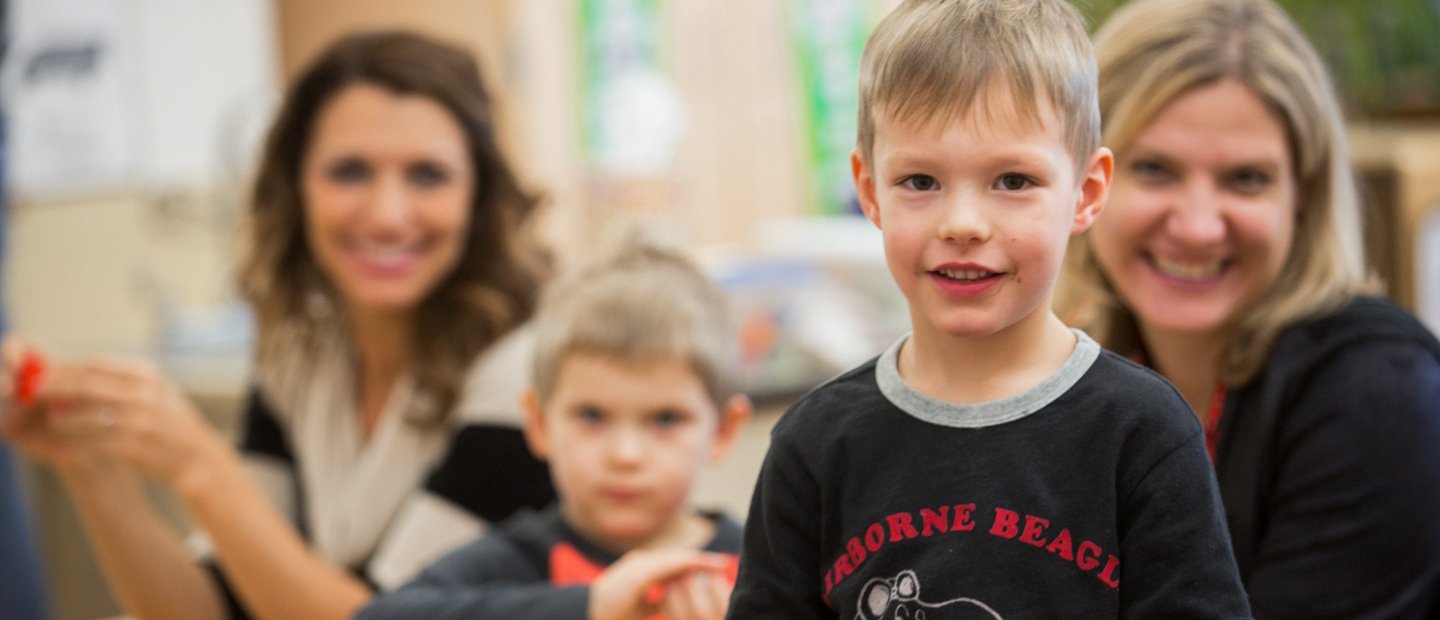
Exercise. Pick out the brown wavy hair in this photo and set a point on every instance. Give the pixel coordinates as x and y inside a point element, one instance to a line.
<point>494,284</point>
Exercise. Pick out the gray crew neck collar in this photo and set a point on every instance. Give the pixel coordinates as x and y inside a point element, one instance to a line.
<point>980,415</point>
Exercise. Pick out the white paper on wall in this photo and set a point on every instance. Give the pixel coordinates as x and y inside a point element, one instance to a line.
<point>70,96</point>
<point>151,94</point>
<point>1427,270</point>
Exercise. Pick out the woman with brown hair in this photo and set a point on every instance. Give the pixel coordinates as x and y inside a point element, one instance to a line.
<point>1229,259</point>
<point>390,272</point>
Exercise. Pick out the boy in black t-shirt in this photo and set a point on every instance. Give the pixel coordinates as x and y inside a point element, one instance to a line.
<point>993,463</point>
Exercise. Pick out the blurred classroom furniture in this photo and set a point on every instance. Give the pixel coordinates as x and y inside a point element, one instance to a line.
<point>1399,165</point>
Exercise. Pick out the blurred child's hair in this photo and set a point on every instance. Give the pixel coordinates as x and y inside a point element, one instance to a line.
<point>929,60</point>
<point>639,305</point>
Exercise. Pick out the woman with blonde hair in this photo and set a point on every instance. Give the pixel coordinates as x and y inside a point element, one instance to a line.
<point>1229,259</point>
<point>390,273</point>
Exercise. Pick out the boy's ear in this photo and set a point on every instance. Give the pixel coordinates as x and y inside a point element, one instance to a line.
<point>733,417</point>
<point>865,186</point>
<point>1094,189</point>
<point>534,424</point>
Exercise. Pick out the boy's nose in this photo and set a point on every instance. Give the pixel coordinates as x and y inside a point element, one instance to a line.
<point>963,221</point>
<point>627,447</point>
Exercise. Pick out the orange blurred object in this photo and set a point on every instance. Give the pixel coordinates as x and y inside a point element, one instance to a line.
<point>27,378</point>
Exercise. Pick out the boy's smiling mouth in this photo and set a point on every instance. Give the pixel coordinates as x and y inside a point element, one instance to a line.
<point>965,275</point>
<point>965,279</point>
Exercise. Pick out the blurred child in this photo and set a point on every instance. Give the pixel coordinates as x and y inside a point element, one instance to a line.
<point>993,463</point>
<point>635,389</point>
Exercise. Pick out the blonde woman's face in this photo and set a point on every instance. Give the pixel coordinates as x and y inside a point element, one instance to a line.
<point>1202,213</point>
<point>387,184</point>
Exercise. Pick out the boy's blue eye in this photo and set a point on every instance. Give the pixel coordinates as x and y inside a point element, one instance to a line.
<point>1012,182</point>
<point>667,418</point>
<point>589,414</point>
<point>920,182</point>
<point>348,170</point>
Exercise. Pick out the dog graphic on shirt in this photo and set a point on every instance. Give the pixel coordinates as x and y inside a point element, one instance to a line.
<point>898,598</point>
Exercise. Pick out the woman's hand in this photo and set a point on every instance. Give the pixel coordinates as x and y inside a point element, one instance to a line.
<point>148,422</point>
<point>45,429</point>
<point>110,408</point>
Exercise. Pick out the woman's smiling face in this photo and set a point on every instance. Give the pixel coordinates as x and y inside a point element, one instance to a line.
<point>387,185</point>
<point>1202,212</point>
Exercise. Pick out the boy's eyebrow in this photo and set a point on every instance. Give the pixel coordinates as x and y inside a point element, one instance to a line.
<point>1016,157</point>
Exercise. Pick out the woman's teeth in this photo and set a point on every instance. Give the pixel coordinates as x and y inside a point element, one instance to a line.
<point>385,254</point>
<point>1188,270</point>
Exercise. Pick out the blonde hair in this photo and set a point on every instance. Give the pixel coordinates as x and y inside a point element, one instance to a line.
<point>642,304</point>
<point>929,60</point>
<point>1152,51</point>
<point>495,282</point>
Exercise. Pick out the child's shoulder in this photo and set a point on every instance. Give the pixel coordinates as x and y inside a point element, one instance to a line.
<point>1129,395</point>
<point>728,533</point>
<point>1117,377</point>
<point>825,407</point>
<point>516,547</point>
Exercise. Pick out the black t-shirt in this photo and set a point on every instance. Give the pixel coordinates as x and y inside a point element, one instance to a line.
<point>1087,496</point>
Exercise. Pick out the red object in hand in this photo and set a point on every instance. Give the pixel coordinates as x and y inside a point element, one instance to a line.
<point>27,378</point>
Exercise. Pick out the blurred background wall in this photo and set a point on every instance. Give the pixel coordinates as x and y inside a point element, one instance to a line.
<point>722,127</point>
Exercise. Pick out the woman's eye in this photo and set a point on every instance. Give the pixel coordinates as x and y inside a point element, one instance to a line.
<point>1013,182</point>
<point>920,182</point>
<point>427,175</point>
<point>348,171</point>
<point>1249,181</point>
<point>1149,169</point>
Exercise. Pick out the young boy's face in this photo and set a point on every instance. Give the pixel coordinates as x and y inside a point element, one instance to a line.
<point>625,441</point>
<point>976,213</point>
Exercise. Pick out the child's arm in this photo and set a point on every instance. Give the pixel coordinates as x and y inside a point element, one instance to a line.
<point>517,601</point>
<point>490,578</point>
<point>780,574</point>
<point>1176,559</point>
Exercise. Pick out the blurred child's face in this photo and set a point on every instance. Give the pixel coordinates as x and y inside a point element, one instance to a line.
<point>386,184</point>
<point>976,214</point>
<point>1203,214</point>
<point>625,441</point>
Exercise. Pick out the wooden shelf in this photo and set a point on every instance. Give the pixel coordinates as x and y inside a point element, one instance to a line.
<point>1399,166</point>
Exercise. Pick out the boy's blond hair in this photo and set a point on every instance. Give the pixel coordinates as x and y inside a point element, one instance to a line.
<point>639,305</point>
<point>929,60</point>
<point>1152,52</point>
